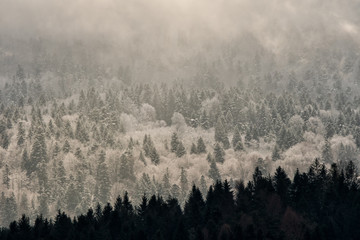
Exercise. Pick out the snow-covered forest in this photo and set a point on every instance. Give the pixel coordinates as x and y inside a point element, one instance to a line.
<point>159,102</point>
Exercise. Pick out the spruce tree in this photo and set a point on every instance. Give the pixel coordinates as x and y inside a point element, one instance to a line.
<point>327,153</point>
<point>66,147</point>
<point>201,148</point>
<point>219,153</point>
<point>214,173</point>
<point>180,151</point>
<point>127,166</point>
<point>236,138</point>
<point>193,149</point>
<point>276,153</point>
<point>38,152</point>
<point>21,134</point>
<point>174,142</point>
<point>102,180</point>
<point>6,176</point>
<point>154,156</point>
<point>183,183</point>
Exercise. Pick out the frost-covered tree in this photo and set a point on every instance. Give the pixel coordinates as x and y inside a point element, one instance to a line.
<point>276,153</point>
<point>38,151</point>
<point>221,134</point>
<point>180,150</point>
<point>21,134</point>
<point>214,173</point>
<point>327,155</point>
<point>66,147</point>
<point>127,166</point>
<point>219,153</point>
<point>201,148</point>
<point>6,176</point>
<point>193,149</point>
<point>184,185</point>
<point>154,156</point>
<point>102,187</point>
<point>174,142</point>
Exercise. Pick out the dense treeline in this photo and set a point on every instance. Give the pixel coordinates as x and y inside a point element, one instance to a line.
<point>318,204</point>
<point>73,152</point>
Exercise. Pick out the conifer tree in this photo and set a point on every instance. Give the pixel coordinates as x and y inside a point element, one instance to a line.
<point>142,158</point>
<point>180,151</point>
<point>102,180</point>
<point>174,142</point>
<point>193,149</point>
<point>201,148</point>
<point>21,134</point>
<point>236,138</point>
<point>66,147</point>
<point>276,153</point>
<point>127,166</point>
<point>209,158</point>
<point>154,156</point>
<point>38,152</point>
<point>183,183</point>
<point>203,186</point>
<point>327,153</point>
<point>6,176</point>
<point>214,173</point>
<point>219,153</point>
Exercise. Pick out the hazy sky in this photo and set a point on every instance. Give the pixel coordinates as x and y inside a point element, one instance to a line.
<point>120,19</point>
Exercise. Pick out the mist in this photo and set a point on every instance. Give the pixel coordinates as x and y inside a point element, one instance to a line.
<point>173,36</point>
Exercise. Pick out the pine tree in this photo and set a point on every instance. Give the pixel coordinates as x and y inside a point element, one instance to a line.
<point>239,146</point>
<point>204,120</point>
<point>127,166</point>
<point>154,156</point>
<point>180,151</point>
<point>276,153</point>
<point>209,158</point>
<point>6,176</point>
<point>142,158</point>
<point>72,196</point>
<point>66,148</point>
<point>174,142</point>
<point>193,149</point>
<point>214,173</point>
<point>102,180</point>
<point>281,183</point>
<point>327,153</point>
<point>21,134</point>
<point>201,148</point>
<point>166,183</point>
<point>183,183</point>
<point>236,138</point>
<point>203,186</point>
<point>38,152</point>
<point>219,153</point>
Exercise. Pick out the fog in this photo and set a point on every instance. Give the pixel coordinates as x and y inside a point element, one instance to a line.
<point>169,27</point>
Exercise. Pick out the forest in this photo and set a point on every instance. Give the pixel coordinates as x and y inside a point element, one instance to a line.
<point>74,152</point>
<point>146,99</point>
<point>318,204</point>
